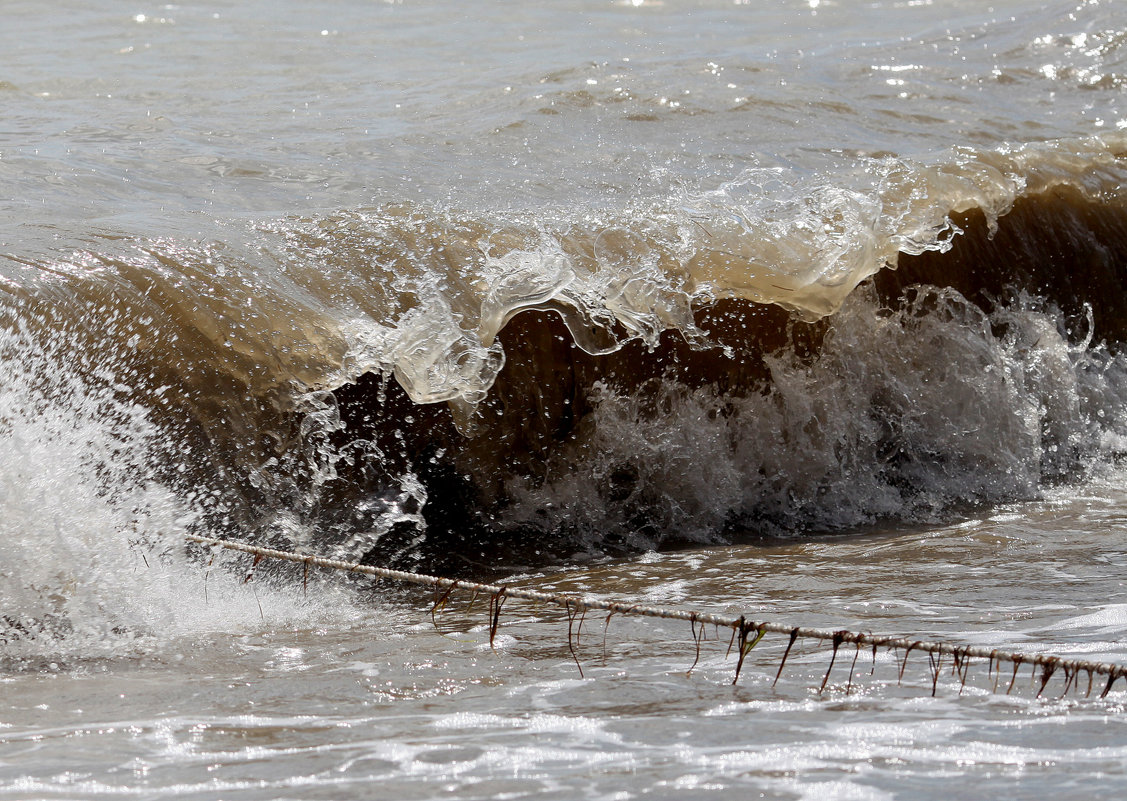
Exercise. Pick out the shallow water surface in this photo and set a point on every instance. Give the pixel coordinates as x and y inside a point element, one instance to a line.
<point>807,311</point>
<point>384,699</point>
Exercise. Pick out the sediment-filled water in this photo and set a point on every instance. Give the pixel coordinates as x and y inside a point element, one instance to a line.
<point>812,312</point>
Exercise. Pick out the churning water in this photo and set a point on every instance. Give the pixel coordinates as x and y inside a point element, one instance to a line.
<point>811,311</point>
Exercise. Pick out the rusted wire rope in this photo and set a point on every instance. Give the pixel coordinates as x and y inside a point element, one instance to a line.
<point>741,627</point>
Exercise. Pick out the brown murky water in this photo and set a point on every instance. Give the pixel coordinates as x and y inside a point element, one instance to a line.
<point>809,313</point>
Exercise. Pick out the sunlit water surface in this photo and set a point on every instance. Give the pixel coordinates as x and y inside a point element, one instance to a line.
<point>213,203</point>
<point>375,700</point>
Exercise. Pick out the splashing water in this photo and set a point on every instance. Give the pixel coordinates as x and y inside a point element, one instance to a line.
<point>92,556</point>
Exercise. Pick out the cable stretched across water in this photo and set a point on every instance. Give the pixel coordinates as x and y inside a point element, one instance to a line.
<point>748,632</point>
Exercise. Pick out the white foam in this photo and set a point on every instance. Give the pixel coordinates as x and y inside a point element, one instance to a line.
<point>92,556</point>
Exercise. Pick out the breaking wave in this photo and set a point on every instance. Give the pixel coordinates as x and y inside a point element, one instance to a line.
<point>414,385</point>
